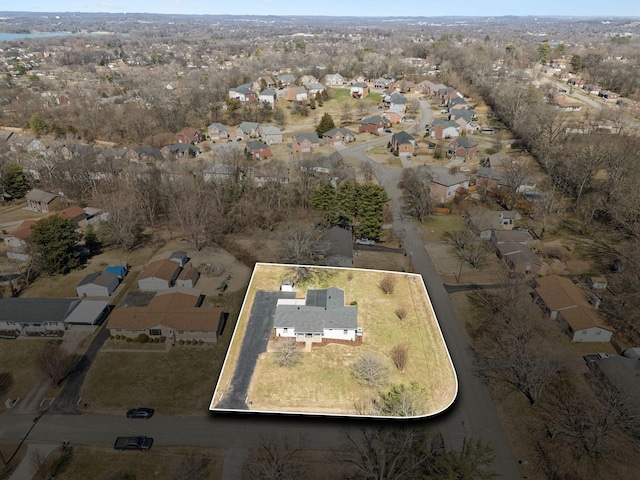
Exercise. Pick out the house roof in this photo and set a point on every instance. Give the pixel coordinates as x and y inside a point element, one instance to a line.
<point>189,273</point>
<point>311,136</point>
<point>398,99</point>
<point>247,127</point>
<point>87,311</point>
<point>256,145</point>
<point>403,137</point>
<point>322,309</point>
<point>483,219</point>
<point>179,254</point>
<point>102,279</point>
<point>219,126</point>
<point>360,84</point>
<point>518,236</point>
<point>72,212</point>
<point>445,123</point>
<point>270,130</point>
<point>334,131</point>
<point>243,89</point>
<point>484,172</point>
<point>23,232</point>
<point>286,77</point>
<point>518,254</point>
<point>313,86</point>
<point>29,310</point>
<point>182,148</point>
<point>464,142</point>
<point>268,92</point>
<point>40,196</point>
<point>374,120</point>
<point>340,243</point>
<point>441,176</point>
<point>164,269</point>
<point>189,132</point>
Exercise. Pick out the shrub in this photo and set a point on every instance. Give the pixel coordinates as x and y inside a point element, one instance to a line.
<point>388,283</point>
<point>181,342</point>
<point>370,369</point>
<point>401,312</point>
<point>111,337</point>
<point>128,340</point>
<point>163,338</point>
<point>143,338</point>
<point>118,337</point>
<point>287,354</point>
<point>135,339</point>
<point>156,340</point>
<point>354,303</point>
<point>188,342</point>
<point>399,356</point>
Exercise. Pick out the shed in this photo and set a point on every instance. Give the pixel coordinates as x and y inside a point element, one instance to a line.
<point>597,283</point>
<point>159,275</point>
<point>119,271</point>
<point>188,277</point>
<point>180,257</point>
<point>286,285</point>
<point>98,284</point>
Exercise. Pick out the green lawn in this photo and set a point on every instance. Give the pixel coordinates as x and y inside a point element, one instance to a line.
<point>323,380</point>
<point>18,358</point>
<point>434,226</point>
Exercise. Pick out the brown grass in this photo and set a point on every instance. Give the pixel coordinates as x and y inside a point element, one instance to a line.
<point>325,382</point>
<point>18,357</point>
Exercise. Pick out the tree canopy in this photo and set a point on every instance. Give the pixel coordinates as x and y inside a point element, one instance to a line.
<point>15,181</point>
<point>55,239</point>
<point>326,124</point>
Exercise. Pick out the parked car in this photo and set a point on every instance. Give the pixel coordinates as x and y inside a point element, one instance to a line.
<point>388,131</point>
<point>133,443</point>
<point>365,241</point>
<point>465,169</point>
<point>444,111</point>
<point>140,412</point>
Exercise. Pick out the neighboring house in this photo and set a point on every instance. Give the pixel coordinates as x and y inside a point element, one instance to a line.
<point>74,213</point>
<point>47,316</point>
<point>297,94</point>
<point>384,82</point>
<point>394,115</point>
<point>336,248</point>
<point>444,185</point>
<point>322,314</point>
<point>403,143</point>
<point>258,150</point>
<point>175,314</point>
<point>268,82</point>
<point>180,257</point>
<point>441,129</point>
<point>333,79</point>
<point>268,96</point>
<point>41,201</point>
<point>464,118</point>
<point>217,131</point>
<point>457,103</point>
<point>247,130</point>
<point>188,277</point>
<point>313,88</point>
<point>304,142</point>
<point>397,102</point>
<point>520,258</point>
<point>285,80</point>
<point>270,134</point>
<point>491,179</point>
<point>97,284</point>
<point>94,216</point>
<point>143,154</point>
<point>597,283</point>
<point>159,275</point>
<point>620,372</point>
<point>19,237</point>
<point>523,237</point>
<point>308,79</point>
<point>189,135</point>
<point>243,93</point>
<point>359,90</point>
<point>462,148</point>
<point>567,303</point>
<point>338,136</point>
<point>179,150</point>
<point>567,104</point>
<point>373,124</point>
<point>483,221</point>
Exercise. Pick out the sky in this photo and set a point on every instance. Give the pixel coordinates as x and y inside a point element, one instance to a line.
<point>377,8</point>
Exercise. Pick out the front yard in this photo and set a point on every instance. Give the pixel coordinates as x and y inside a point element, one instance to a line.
<point>18,360</point>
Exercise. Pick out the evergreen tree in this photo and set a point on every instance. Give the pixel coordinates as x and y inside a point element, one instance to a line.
<point>92,241</point>
<point>325,200</point>
<point>15,181</point>
<point>37,125</point>
<point>326,124</point>
<point>55,240</point>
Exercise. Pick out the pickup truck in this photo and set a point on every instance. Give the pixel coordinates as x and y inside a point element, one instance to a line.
<point>133,443</point>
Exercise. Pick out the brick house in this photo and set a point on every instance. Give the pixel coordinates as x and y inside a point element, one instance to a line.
<point>189,135</point>
<point>258,150</point>
<point>462,148</point>
<point>403,143</point>
<point>304,142</point>
<point>373,124</point>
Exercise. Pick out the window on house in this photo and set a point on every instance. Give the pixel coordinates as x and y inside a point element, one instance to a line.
<point>346,331</point>
<point>180,331</point>
<point>285,329</point>
<point>155,332</point>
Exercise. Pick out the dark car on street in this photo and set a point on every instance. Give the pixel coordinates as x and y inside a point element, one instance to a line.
<point>140,412</point>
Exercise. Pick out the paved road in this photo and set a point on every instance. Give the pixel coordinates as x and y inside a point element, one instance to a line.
<point>260,325</point>
<point>473,413</point>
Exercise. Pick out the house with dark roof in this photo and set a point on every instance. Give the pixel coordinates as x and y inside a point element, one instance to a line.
<point>336,248</point>
<point>180,257</point>
<point>565,302</point>
<point>97,284</point>
<point>217,131</point>
<point>403,143</point>
<point>243,93</point>
<point>159,275</point>
<point>304,142</point>
<point>247,130</point>
<point>445,185</point>
<point>285,79</point>
<point>462,148</point>
<point>359,90</point>
<point>520,258</point>
<point>338,136</point>
<point>258,150</point>
<point>41,201</point>
<point>441,129</point>
<point>175,314</point>
<point>482,220</point>
<point>179,150</point>
<point>322,314</point>
<point>143,154</point>
<point>373,124</point>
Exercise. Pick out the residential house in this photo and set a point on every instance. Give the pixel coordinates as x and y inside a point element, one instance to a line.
<point>373,124</point>
<point>243,93</point>
<point>97,284</point>
<point>189,135</point>
<point>442,129</point>
<point>597,283</point>
<point>384,82</point>
<point>41,201</point>
<point>338,136</point>
<point>179,150</point>
<point>297,94</point>
<point>180,257</point>
<point>159,275</point>
<point>567,104</point>
<point>445,185</point>
<point>47,316</point>
<point>403,143</point>
<point>622,374</point>
<point>270,134</point>
<point>268,97</point>
<point>359,90</point>
<point>483,221</point>
<point>313,88</point>
<point>492,180</point>
<point>217,131</point>
<point>523,237</point>
<point>424,87</point>
<point>397,102</point>
<point>304,142</point>
<point>285,80</point>
<point>74,213</point>
<point>464,118</point>
<point>458,103</point>
<point>94,216</point>
<point>247,130</point>
<point>333,80</point>
<point>258,150</point>
<point>335,248</point>
<point>404,86</point>
<point>322,314</point>
<point>568,304</point>
<point>143,154</point>
<point>266,82</point>
<point>462,148</point>
<point>19,237</point>
<point>394,115</point>
<point>175,314</point>
<point>519,258</point>
<point>308,79</point>
<point>188,277</point>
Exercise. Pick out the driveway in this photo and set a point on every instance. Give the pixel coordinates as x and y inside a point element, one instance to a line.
<point>254,343</point>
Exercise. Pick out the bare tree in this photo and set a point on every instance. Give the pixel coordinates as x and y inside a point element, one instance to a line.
<point>401,312</point>
<point>416,192</point>
<point>277,459</point>
<point>469,248</point>
<point>54,362</point>
<point>370,369</point>
<point>387,283</point>
<point>192,468</point>
<point>514,177</point>
<point>298,238</point>
<point>400,355</point>
<point>287,353</point>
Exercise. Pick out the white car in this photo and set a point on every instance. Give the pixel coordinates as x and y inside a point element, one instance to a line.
<point>465,169</point>
<point>365,241</point>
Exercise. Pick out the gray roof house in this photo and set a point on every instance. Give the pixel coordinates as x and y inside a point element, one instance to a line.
<point>322,314</point>
<point>336,247</point>
<point>97,284</point>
